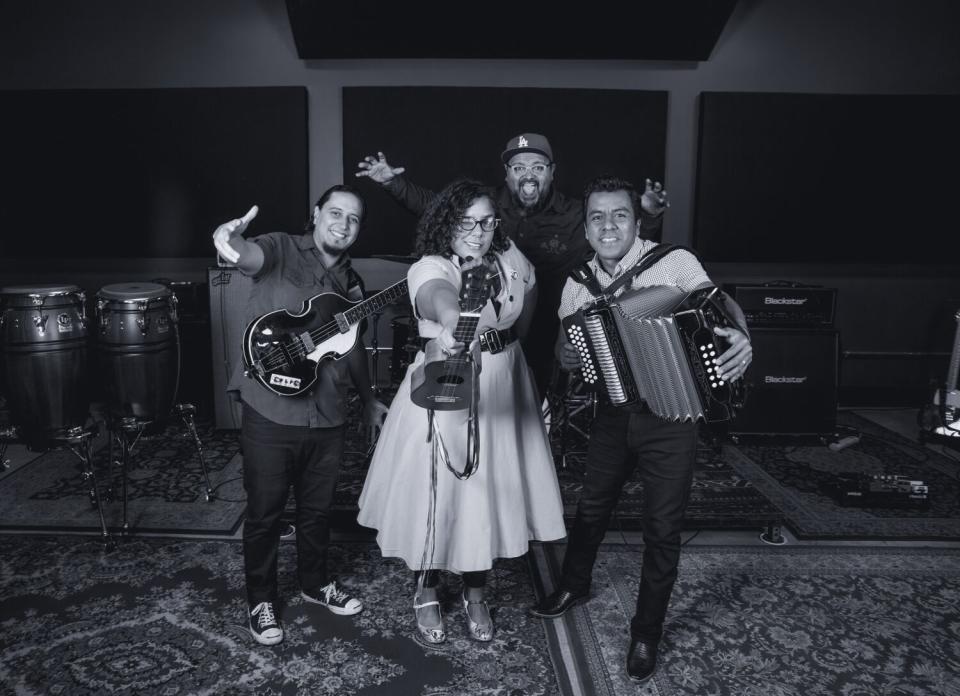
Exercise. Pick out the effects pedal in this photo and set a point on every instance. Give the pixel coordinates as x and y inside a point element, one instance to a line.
<point>881,490</point>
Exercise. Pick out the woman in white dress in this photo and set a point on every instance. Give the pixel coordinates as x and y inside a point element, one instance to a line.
<point>430,517</point>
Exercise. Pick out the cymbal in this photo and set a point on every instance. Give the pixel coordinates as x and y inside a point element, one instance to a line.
<point>396,257</point>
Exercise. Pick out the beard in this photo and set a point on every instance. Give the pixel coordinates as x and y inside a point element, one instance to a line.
<point>332,250</point>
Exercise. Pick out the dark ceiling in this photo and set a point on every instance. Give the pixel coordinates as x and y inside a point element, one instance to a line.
<point>671,30</point>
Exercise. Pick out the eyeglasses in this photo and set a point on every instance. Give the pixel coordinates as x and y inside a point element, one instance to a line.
<point>520,170</point>
<point>488,224</point>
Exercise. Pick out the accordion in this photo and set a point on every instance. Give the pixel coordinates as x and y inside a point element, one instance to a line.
<point>656,344</point>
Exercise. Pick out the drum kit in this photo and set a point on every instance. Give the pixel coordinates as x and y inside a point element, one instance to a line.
<point>52,356</point>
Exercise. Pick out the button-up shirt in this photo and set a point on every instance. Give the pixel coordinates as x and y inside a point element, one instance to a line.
<point>680,269</point>
<point>292,273</point>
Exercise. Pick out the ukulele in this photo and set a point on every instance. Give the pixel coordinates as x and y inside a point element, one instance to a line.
<point>446,383</point>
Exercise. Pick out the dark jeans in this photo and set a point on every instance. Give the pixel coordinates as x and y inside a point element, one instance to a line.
<point>665,452</point>
<point>274,456</point>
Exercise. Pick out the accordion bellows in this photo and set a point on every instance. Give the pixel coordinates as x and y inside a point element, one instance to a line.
<point>656,344</point>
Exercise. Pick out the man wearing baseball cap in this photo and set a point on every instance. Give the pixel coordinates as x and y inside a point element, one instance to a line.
<point>544,224</point>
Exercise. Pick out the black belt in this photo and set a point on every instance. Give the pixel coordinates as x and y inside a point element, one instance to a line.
<point>491,340</point>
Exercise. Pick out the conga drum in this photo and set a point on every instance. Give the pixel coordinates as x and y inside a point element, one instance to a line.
<point>406,343</point>
<point>138,350</point>
<point>44,342</point>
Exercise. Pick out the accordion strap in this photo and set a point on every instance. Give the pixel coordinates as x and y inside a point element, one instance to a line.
<point>583,275</point>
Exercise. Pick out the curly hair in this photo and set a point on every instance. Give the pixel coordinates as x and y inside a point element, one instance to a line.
<point>440,220</point>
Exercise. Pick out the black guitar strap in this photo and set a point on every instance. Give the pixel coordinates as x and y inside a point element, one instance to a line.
<point>353,279</point>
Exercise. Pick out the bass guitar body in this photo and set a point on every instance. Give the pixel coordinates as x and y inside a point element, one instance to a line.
<point>281,349</point>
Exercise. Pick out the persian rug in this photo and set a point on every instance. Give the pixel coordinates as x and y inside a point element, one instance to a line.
<point>167,617</point>
<point>771,621</point>
<point>165,487</point>
<point>799,479</point>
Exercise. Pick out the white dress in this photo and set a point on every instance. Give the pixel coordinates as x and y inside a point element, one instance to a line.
<point>512,498</point>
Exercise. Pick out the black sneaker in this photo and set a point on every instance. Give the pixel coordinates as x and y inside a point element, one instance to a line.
<point>264,626</point>
<point>335,599</point>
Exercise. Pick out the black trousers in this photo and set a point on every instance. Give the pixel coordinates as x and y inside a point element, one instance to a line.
<point>665,452</point>
<point>274,457</point>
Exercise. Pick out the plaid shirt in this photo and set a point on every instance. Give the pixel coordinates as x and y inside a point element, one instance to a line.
<point>680,269</point>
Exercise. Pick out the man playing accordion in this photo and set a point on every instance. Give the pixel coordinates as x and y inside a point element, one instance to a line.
<point>624,437</point>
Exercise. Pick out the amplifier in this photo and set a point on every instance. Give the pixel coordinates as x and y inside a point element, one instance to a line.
<point>881,490</point>
<point>783,304</point>
<point>791,384</point>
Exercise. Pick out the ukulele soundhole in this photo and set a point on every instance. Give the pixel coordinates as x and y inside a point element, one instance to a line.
<point>455,380</point>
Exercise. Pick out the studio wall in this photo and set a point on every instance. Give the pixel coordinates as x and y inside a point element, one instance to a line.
<point>818,46</point>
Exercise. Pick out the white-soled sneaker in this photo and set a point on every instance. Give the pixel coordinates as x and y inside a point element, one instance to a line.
<point>264,626</point>
<point>334,598</point>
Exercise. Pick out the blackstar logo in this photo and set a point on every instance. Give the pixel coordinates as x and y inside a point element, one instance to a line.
<point>770,379</point>
<point>785,300</point>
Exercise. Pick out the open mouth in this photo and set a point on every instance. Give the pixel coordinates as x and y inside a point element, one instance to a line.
<point>529,188</point>
<point>338,235</point>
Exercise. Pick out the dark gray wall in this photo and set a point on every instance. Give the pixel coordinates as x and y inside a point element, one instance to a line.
<point>849,46</point>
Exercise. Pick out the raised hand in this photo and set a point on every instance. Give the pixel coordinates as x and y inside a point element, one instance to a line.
<point>378,169</point>
<point>654,199</point>
<point>229,230</point>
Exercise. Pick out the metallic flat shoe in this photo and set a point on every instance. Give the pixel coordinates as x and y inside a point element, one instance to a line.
<point>433,636</point>
<point>482,633</point>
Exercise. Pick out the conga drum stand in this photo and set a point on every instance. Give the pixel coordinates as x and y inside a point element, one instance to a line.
<point>127,432</point>
<point>186,413</point>
<point>80,442</point>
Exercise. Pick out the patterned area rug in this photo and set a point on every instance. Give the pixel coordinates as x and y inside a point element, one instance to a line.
<point>773,622</point>
<point>168,617</point>
<point>798,480</point>
<point>165,487</point>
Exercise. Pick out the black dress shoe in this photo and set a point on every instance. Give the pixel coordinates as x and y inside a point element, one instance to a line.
<point>641,660</point>
<point>557,604</point>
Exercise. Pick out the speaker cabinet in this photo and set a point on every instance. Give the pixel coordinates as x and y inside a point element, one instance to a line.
<point>792,383</point>
<point>229,294</point>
